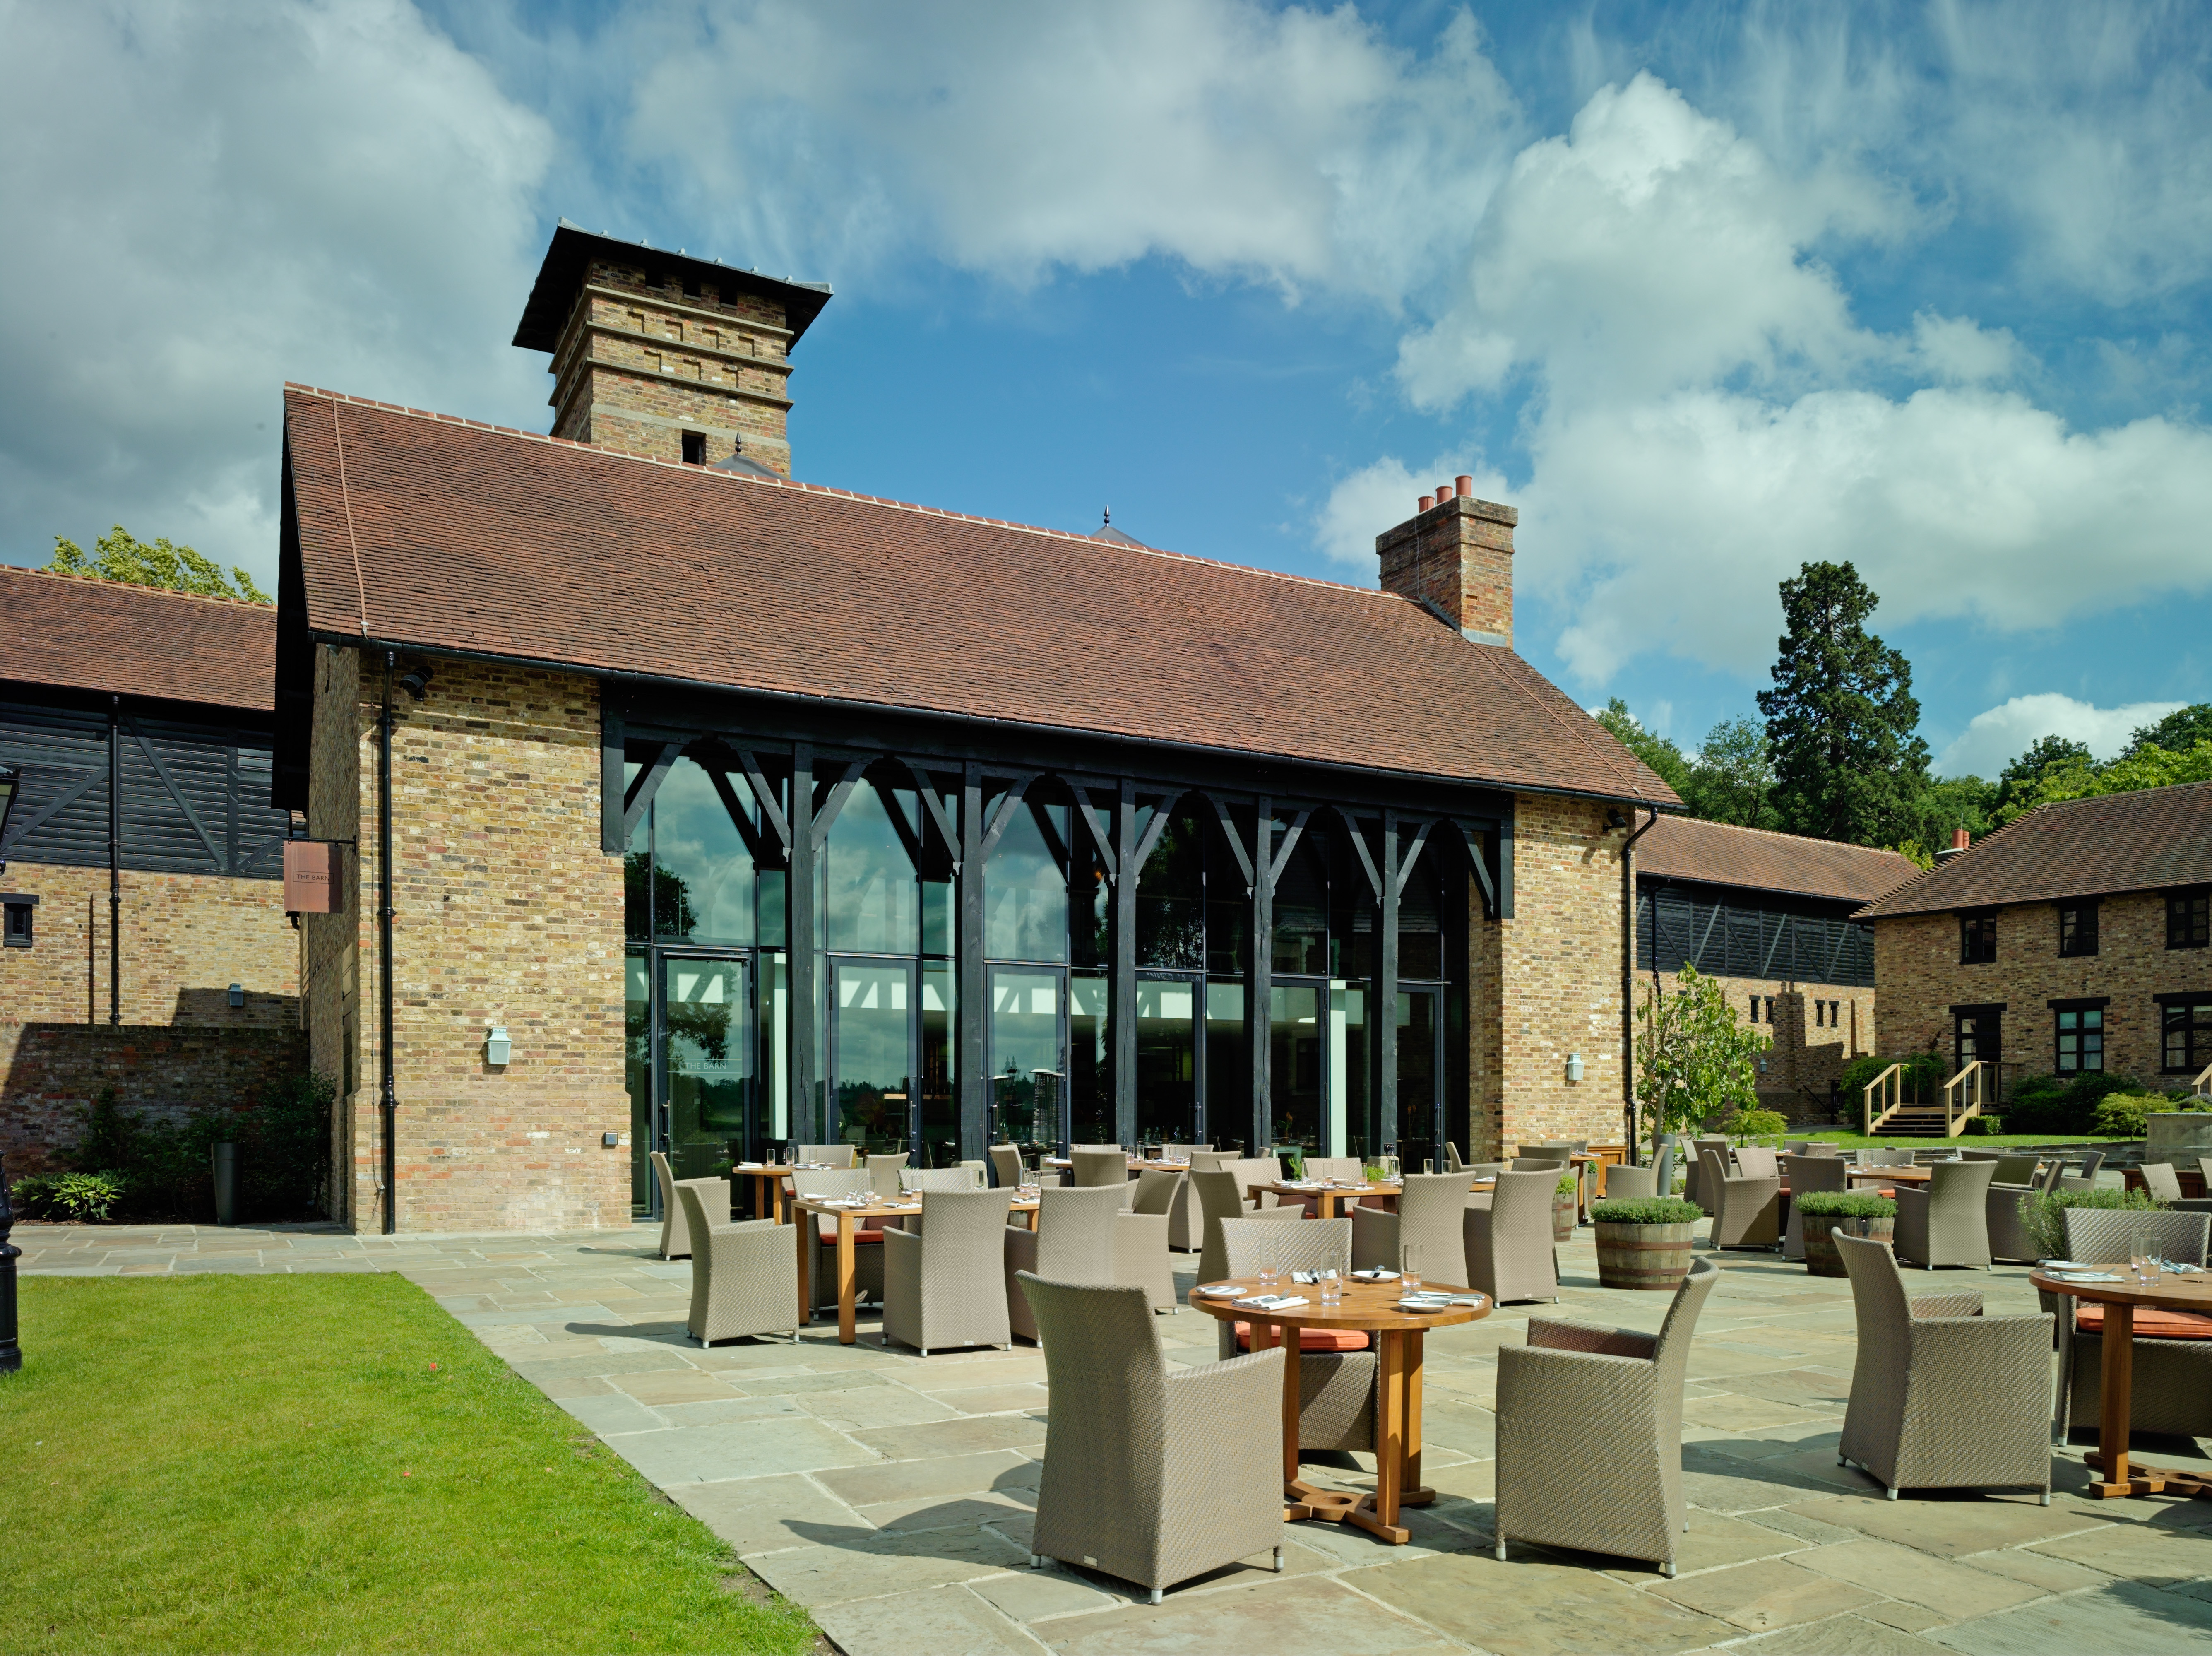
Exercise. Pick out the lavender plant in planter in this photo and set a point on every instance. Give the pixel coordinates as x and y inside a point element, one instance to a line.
<point>1854,1213</point>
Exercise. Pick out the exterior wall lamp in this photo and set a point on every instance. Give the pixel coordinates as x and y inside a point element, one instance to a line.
<point>497,1049</point>
<point>1574,1066</point>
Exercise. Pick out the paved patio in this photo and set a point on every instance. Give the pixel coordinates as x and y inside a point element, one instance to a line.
<point>891,1494</point>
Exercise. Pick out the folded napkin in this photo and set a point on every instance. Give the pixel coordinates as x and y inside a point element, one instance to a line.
<point>1377,1276</point>
<point>1271,1301</point>
<point>2085,1276</point>
<point>749,1164</point>
<point>2184,1270</point>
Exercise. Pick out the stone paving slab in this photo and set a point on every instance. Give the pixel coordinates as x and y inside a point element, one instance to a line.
<point>892,1494</point>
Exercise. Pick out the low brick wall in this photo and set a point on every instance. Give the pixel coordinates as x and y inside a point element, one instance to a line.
<point>51,1072</point>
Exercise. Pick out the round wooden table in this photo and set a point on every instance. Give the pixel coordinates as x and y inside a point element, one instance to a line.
<point>2116,1383</point>
<point>1371,1307</point>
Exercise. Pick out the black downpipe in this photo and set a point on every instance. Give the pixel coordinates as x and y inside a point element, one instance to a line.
<point>1628,980</point>
<point>390,1096</point>
<point>115,859</point>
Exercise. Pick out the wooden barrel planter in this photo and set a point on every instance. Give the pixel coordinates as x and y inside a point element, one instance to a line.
<point>1822,1257</point>
<point>1654,1256</point>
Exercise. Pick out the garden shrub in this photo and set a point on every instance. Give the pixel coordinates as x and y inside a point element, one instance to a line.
<point>1646,1210</point>
<point>73,1197</point>
<point>2040,1214</point>
<point>1845,1204</point>
<point>1568,1185</point>
<point>1759,1124</point>
<point>1985,1126</point>
<point>162,1167</point>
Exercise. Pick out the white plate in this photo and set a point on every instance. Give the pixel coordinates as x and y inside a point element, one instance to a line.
<point>1219,1292</point>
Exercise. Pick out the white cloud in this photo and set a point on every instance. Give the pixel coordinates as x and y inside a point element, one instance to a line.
<point>1962,352</point>
<point>204,202</point>
<point>1994,739</point>
<point>1381,495</point>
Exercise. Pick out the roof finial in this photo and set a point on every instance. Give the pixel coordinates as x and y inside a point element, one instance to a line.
<point>1106,517</point>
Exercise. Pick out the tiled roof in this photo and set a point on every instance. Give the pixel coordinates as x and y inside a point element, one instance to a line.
<point>2078,848</point>
<point>79,634</point>
<point>1682,848</point>
<point>470,538</point>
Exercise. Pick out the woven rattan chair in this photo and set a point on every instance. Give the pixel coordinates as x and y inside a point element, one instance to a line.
<point>2086,1178</point>
<point>2204,1171</point>
<point>943,1284</point>
<point>1007,1165</point>
<point>2006,1206</point>
<point>1220,1196</point>
<point>2015,1170</point>
<point>1431,1209</point>
<point>1074,1242</point>
<point>1096,1167</point>
<point>1336,1374</point>
<point>1452,1162</point>
<point>1209,1160</point>
<point>1152,1474</point>
<point>675,1235</point>
<point>1183,1152</point>
<point>884,1171</point>
<point>1662,1167</point>
<point>832,1155</point>
<point>1589,1432</point>
<point>1695,1190</point>
<point>1758,1163</point>
<point>2162,1181</point>
<point>1508,1244</point>
<point>1746,1210</point>
<point>740,1274</point>
<point>1808,1173</point>
<point>821,1254</point>
<point>1145,1234</point>
<point>1948,1223</point>
<point>1942,1396</point>
<point>1631,1184</point>
<point>2172,1388</point>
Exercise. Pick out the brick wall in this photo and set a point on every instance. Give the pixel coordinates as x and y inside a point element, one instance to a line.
<point>1917,964</point>
<point>506,913</point>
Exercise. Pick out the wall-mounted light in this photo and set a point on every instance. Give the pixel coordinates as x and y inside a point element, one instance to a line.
<point>497,1048</point>
<point>416,681</point>
<point>1574,1066</point>
<point>238,994</point>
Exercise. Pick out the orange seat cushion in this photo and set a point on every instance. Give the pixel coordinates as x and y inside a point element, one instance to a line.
<point>2150,1324</point>
<point>1313,1339</point>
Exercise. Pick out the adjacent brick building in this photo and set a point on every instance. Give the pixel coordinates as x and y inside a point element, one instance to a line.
<point>1059,821</point>
<point>2074,939</point>
<point>1770,915</point>
<point>148,948</point>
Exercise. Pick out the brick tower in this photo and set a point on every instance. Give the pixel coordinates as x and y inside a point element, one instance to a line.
<point>663,354</point>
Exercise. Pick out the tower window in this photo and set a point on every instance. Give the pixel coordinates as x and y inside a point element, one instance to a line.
<point>695,448</point>
<point>20,910</point>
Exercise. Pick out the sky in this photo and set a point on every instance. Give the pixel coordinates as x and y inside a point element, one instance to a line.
<point>1705,290</point>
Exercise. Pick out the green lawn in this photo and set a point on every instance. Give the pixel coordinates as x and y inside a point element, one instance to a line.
<point>326,1463</point>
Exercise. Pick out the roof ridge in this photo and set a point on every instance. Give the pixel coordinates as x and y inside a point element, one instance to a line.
<point>137,586</point>
<point>687,469</point>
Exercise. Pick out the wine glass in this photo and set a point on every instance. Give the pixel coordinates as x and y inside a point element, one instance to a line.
<point>1409,1268</point>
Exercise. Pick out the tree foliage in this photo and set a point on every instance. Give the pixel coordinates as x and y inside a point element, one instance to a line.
<point>1694,1060</point>
<point>1655,751</point>
<point>2074,779</point>
<point>1732,779</point>
<point>122,558</point>
<point>2177,733</point>
<point>1841,718</point>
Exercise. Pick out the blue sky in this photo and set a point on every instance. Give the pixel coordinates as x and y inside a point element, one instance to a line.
<point>1705,290</point>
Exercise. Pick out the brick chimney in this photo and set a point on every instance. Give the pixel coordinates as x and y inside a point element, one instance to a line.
<point>1455,557</point>
<point>667,355</point>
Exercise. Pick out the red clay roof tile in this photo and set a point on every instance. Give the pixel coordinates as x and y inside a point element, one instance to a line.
<point>74,633</point>
<point>1720,853</point>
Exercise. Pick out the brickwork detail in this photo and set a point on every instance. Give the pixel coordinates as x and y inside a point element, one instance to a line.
<point>1917,965</point>
<point>1458,556</point>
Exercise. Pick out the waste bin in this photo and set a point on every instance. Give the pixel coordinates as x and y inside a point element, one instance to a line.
<point>224,1158</point>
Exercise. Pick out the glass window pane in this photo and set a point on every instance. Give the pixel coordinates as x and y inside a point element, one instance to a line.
<point>1090,1072</point>
<point>937,923</point>
<point>1025,1038</point>
<point>637,881</point>
<point>1228,1067</point>
<point>1295,1066</point>
<point>870,1049</point>
<point>1172,897</point>
<point>1167,1061</point>
<point>702,872</point>
<point>707,1010</point>
<point>773,926</point>
<point>1417,1077</point>
<point>940,1106</point>
<point>1302,908</point>
<point>1025,890</point>
<point>1351,1122</point>
<point>637,1076</point>
<point>774,1046</point>
<point>869,899</point>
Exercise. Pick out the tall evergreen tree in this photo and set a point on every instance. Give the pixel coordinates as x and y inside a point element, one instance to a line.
<point>1841,718</point>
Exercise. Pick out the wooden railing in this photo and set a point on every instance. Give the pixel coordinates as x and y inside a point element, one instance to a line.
<point>1890,1086</point>
<point>2203,1084</point>
<point>1965,1094</point>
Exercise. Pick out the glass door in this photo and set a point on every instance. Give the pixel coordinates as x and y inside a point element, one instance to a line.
<point>1167,1061</point>
<point>871,1041</point>
<point>1420,1077</point>
<point>1028,1054</point>
<point>1297,1064</point>
<point>706,1065</point>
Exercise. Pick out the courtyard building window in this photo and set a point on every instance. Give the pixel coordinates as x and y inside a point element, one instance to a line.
<point>2079,1037</point>
<point>2077,928</point>
<point>2188,919</point>
<point>2185,1028</point>
<point>1977,940</point>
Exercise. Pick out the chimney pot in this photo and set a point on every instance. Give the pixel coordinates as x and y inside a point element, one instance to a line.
<point>1443,493</point>
<point>1427,501</point>
<point>1457,564</point>
<point>1463,486</point>
<point>1960,839</point>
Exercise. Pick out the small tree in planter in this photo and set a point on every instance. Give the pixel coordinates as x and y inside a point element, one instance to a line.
<point>1854,1213</point>
<point>1564,1204</point>
<point>1644,1242</point>
<point>1694,1060</point>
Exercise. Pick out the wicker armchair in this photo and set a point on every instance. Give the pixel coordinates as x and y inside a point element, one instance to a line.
<point>1746,1210</point>
<point>1508,1245</point>
<point>2087,1179</point>
<point>914,1180</point>
<point>1094,1166</point>
<point>1808,1173</point>
<point>1145,1233</point>
<point>1662,1167</point>
<point>740,1274</point>
<point>822,1251</point>
<point>1695,1189</point>
<point>884,1172</point>
<point>2172,1388</point>
<point>2015,1170</point>
<point>937,1281</point>
<point>832,1155</point>
<point>1074,1242</point>
<point>1948,1223</point>
<point>1431,1209</point>
<point>1152,1474</point>
<point>1755,1162</point>
<point>1006,1166</point>
<point>1452,1162</point>
<point>1589,1432</point>
<point>1942,1396</point>
<point>1209,1160</point>
<point>1220,1196</point>
<point>1336,1376</point>
<point>675,1233</point>
<point>1631,1184</point>
<point>2162,1181</point>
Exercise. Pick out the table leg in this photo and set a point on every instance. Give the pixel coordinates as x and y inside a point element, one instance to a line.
<point>1288,1339</point>
<point>802,1230</point>
<point>847,1286</point>
<point>1411,1492</point>
<point>1378,1513</point>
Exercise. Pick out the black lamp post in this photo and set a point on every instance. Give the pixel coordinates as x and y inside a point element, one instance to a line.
<point>11,1352</point>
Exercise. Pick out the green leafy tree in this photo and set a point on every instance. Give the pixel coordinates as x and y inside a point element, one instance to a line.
<point>122,557</point>
<point>2042,754</point>
<point>1693,1060</point>
<point>2180,731</point>
<point>1732,779</point>
<point>1841,718</point>
<point>1949,802</point>
<point>2154,767</point>
<point>1655,751</point>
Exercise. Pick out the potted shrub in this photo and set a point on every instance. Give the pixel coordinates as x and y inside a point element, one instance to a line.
<point>1563,1204</point>
<point>2043,1216</point>
<point>1854,1213</point>
<point>1644,1243</point>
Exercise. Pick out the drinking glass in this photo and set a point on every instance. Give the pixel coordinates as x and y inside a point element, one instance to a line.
<point>1267,1264</point>
<point>2143,1260</point>
<point>1409,1267</point>
<point>1332,1290</point>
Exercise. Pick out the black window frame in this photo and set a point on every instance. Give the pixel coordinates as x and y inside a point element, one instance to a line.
<point>2076,1006</point>
<point>21,929</point>
<point>2189,918</point>
<point>694,447</point>
<point>2196,1034</point>
<point>2082,943</point>
<point>1977,933</point>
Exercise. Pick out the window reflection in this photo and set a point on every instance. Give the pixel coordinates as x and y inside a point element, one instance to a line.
<point>703,888</point>
<point>1167,1061</point>
<point>1025,887</point>
<point>1024,1038</point>
<point>868,904</point>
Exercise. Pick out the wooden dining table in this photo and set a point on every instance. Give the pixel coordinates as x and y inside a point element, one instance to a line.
<point>2116,1379</point>
<point>1398,1335</point>
<point>767,1187</point>
<point>1889,1175</point>
<point>1324,1196</point>
<point>845,1266</point>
